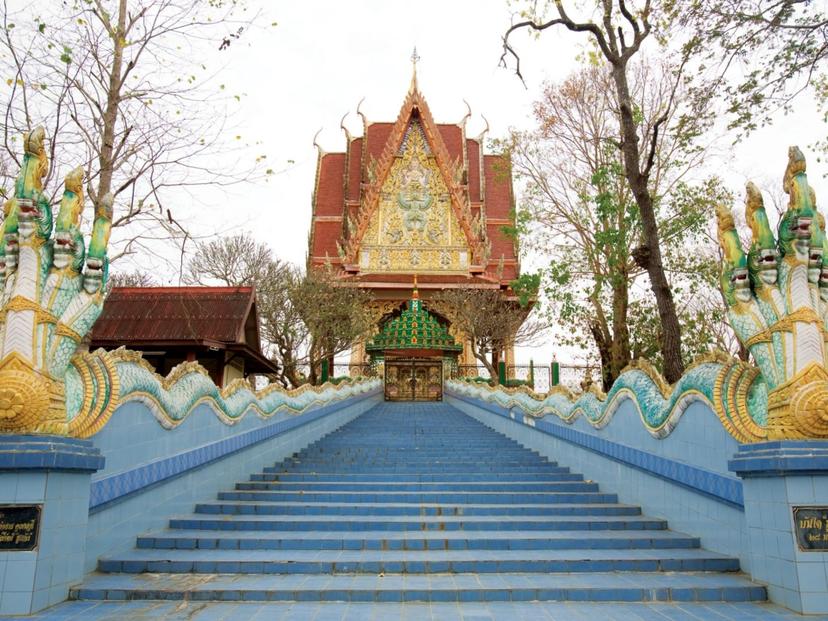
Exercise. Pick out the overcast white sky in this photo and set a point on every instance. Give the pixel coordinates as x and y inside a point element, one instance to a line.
<point>325,55</point>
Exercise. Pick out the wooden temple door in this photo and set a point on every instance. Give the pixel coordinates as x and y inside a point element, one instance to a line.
<point>413,380</point>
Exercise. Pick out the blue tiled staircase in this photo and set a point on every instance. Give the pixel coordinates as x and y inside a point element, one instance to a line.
<point>418,502</point>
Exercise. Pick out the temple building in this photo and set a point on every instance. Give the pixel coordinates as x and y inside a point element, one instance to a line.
<point>410,201</point>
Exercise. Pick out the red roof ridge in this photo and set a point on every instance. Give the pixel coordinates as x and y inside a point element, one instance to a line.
<point>185,289</point>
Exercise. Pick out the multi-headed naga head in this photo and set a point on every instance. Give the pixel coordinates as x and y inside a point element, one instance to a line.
<point>785,327</point>
<point>734,278</point>
<point>97,263</point>
<point>48,304</point>
<point>795,229</point>
<point>69,246</point>
<point>763,256</point>
<point>815,249</point>
<point>823,272</point>
<point>34,214</point>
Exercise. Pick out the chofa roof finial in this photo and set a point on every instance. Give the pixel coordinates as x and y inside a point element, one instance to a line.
<point>414,58</point>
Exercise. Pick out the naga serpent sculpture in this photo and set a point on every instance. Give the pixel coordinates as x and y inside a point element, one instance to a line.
<point>777,297</point>
<point>52,289</point>
<point>49,303</point>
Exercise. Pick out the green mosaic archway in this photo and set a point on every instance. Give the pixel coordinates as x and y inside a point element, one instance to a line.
<point>414,329</point>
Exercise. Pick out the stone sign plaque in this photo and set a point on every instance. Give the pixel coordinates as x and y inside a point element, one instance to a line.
<point>811,528</point>
<point>19,526</point>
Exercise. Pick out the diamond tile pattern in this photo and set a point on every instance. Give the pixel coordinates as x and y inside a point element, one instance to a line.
<point>418,503</point>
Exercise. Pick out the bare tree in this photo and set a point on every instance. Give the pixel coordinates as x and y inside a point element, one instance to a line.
<point>239,260</point>
<point>235,261</point>
<point>490,321</point>
<point>135,278</point>
<point>120,85</point>
<point>305,318</point>
<point>618,31</point>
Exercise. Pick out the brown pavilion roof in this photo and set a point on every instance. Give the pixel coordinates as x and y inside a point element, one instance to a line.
<point>217,317</point>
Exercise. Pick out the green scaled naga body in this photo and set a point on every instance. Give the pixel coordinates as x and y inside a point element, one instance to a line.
<point>777,296</point>
<point>49,303</point>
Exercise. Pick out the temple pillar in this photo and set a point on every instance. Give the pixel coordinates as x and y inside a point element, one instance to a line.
<point>509,354</point>
<point>358,353</point>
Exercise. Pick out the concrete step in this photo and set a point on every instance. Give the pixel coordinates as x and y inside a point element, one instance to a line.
<point>440,523</point>
<point>545,474</point>
<point>422,497</point>
<point>577,485</point>
<point>593,586</point>
<point>416,562</point>
<point>336,509</point>
<point>418,540</point>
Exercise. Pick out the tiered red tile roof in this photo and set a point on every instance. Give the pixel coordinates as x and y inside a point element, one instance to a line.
<point>348,186</point>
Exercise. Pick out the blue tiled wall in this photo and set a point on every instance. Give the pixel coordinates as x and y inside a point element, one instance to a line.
<point>796,579</point>
<point>152,473</point>
<point>40,578</point>
<point>683,478</point>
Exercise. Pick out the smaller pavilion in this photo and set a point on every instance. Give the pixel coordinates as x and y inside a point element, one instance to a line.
<point>217,327</point>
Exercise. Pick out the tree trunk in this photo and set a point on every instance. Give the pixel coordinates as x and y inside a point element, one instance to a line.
<point>314,360</point>
<point>604,352</point>
<point>620,354</point>
<point>110,115</point>
<point>671,342</point>
<point>491,367</point>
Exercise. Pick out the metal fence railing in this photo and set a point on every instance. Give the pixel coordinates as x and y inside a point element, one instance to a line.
<point>540,377</point>
<point>573,376</point>
<point>346,369</point>
<point>461,371</point>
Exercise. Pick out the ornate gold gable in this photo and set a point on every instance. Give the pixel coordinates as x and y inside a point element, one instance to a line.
<point>414,228</point>
<point>415,136</point>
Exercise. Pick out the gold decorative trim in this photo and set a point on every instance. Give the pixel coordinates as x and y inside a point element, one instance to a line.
<point>61,329</point>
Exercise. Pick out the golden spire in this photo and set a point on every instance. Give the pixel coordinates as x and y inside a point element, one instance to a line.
<point>415,295</point>
<point>414,58</point>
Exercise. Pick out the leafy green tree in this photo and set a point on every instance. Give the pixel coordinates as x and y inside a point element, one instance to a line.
<point>755,55</point>
<point>334,316</point>
<point>618,31</point>
<point>580,212</point>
